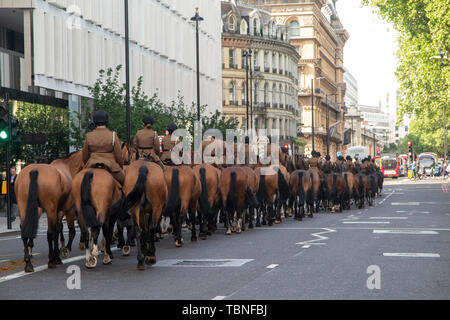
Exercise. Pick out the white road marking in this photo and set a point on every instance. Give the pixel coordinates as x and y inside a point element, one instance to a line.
<point>1,261</point>
<point>306,246</point>
<point>219,298</point>
<point>423,211</point>
<point>318,235</point>
<point>367,222</point>
<point>401,211</point>
<point>43,267</point>
<point>406,231</point>
<point>271,266</point>
<point>10,238</point>
<point>208,263</point>
<point>411,254</point>
<point>405,203</point>
<point>388,218</point>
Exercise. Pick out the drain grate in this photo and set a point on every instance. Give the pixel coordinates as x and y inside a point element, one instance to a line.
<point>202,262</point>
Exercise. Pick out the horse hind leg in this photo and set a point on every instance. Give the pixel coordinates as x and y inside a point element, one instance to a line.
<point>27,255</point>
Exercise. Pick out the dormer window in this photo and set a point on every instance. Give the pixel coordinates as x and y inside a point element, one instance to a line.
<point>231,23</point>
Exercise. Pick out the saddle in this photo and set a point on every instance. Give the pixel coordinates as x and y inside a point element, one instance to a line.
<point>101,166</point>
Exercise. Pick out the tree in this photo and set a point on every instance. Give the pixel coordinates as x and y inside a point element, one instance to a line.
<point>424,27</point>
<point>108,94</point>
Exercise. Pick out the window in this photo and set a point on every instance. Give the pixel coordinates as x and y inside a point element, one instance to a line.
<point>294,29</point>
<point>243,64</point>
<point>266,94</point>
<point>244,27</point>
<point>256,93</point>
<point>255,26</point>
<point>231,93</point>
<point>231,23</point>
<point>274,92</point>
<point>256,58</point>
<point>231,54</point>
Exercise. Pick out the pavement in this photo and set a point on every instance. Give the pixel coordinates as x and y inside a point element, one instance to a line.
<point>398,249</point>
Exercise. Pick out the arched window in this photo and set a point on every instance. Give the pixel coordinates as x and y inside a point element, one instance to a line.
<point>231,93</point>
<point>232,23</point>
<point>244,27</point>
<point>255,26</point>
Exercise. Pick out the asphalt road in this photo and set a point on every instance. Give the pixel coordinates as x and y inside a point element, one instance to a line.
<point>331,256</point>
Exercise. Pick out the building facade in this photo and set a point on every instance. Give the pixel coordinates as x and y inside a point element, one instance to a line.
<point>317,33</point>
<point>375,118</point>
<point>61,45</point>
<point>272,75</point>
<point>351,92</point>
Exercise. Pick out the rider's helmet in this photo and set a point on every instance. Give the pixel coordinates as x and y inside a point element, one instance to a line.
<point>348,158</point>
<point>171,128</point>
<point>101,118</point>
<point>285,148</point>
<point>327,157</point>
<point>148,120</point>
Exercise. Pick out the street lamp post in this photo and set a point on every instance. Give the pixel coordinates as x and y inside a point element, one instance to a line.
<point>127,73</point>
<point>247,55</point>
<point>312,112</point>
<point>197,18</point>
<point>251,90</point>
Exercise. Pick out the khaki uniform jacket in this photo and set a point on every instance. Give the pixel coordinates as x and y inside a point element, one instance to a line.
<point>103,146</point>
<point>167,146</point>
<point>147,144</point>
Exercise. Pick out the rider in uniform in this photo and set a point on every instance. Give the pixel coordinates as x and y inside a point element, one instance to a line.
<point>147,143</point>
<point>328,165</point>
<point>168,145</point>
<point>102,148</point>
<point>349,163</point>
<point>284,156</point>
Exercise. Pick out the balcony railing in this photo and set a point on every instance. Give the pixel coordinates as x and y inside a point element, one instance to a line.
<point>266,69</point>
<point>257,68</point>
<point>233,103</point>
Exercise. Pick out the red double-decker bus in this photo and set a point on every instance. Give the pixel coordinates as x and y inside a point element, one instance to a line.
<point>390,166</point>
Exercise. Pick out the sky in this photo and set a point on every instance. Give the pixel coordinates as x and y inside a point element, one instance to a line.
<point>369,54</point>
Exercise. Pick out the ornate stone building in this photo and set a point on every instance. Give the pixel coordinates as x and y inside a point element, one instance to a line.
<point>273,73</point>
<point>315,30</point>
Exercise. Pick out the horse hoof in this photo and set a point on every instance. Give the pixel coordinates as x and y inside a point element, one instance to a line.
<point>65,253</point>
<point>160,236</point>
<point>178,243</point>
<point>29,268</point>
<point>169,229</point>
<point>91,262</point>
<point>250,226</point>
<point>202,236</point>
<point>82,246</point>
<point>107,260</point>
<point>264,222</point>
<point>193,239</point>
<point>258,224</point>
<point>277,221</point>
<point>209,233</point>
<point>310,216</point>
<point>150,259</point>
<point>126,250</point>
<point>140,266</point>
<point>51,265</point>
<point>228,232</point>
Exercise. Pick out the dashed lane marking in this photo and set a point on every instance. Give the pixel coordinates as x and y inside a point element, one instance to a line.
<point>400,218</point>
<point>406,231</point>
<point>366,222</point>
<point>319,236</point>
<point>219,298</point>
<point>411,254</point>
<point>272,266</point>
<point>405,203</point>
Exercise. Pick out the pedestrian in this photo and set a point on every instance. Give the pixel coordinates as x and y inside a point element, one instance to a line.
<point>447,170</point>
<point>14,207</point>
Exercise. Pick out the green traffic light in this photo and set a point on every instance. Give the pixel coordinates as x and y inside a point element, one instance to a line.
<point>4,135</point>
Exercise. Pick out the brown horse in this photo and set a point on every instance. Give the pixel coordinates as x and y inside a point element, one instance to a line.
<point>336,187</point>
<point>233,189</point>
<point>47,187</point>
<point>184,191</point>
<point>300,185</point>
<point>209,197</point>
<point>267,180</point>
<point>316,183</point>
<point>252,203</point>
<point>348,193</point>
<point>358,190</point>
<point>283,193</point>
<point>148,198</point>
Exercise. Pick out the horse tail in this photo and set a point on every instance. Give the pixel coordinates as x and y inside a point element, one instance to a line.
<point>136,194</point>
<point>347,190</point>
<point>333,187</point>
<point>262,194</point>
<point>250,198</point>
<point>300,191</point>
<point>174,196</point>
<point>361,187</point>
<point>89,215</point>
<point>232,192</point>
<point>204,203</point>
<point>282,186</point>
<point>31,223</point>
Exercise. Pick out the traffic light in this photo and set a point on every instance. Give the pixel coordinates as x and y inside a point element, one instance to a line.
<point>4,127</point>
<point>15,130</point>
<point>410,147</point>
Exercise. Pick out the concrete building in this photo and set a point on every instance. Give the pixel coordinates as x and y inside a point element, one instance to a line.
<point>317,33</point>
<point>351,92</point>
<point>377,119</point>
<point>57,47</point>
<point>273,74</point>
<point>401,129</point>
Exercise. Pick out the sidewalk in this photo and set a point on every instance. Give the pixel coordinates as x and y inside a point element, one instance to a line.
<point>15,231</point>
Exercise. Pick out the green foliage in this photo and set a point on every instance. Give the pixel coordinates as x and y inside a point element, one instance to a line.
<point>51,121</point>
<point>424,27</point>
<point>109,95</point>
<point>392,147</point>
